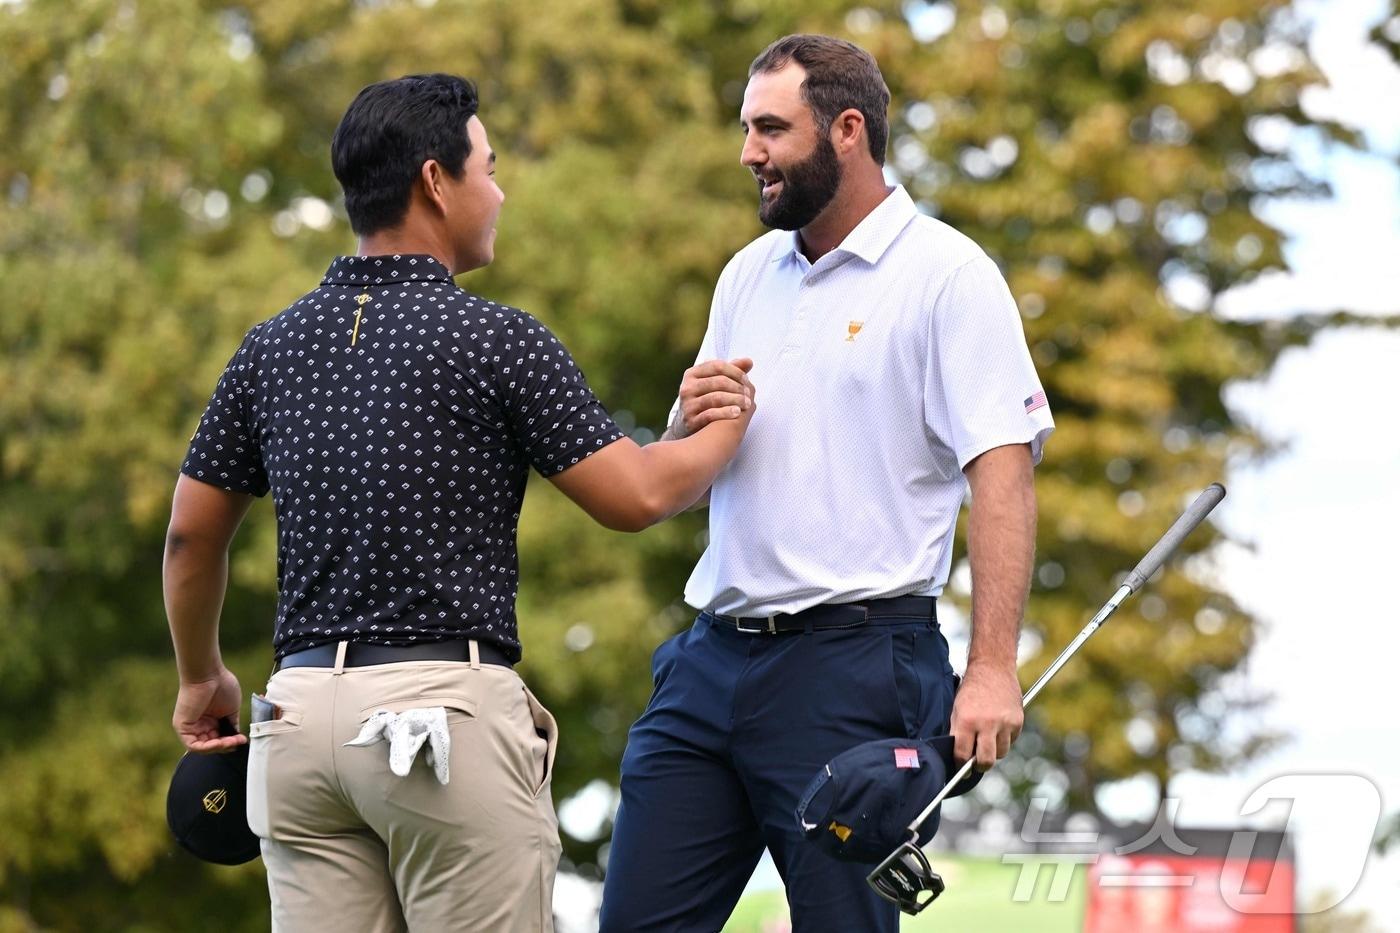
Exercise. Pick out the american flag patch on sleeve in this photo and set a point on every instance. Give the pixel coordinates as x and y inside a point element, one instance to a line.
<point>1035,401</point>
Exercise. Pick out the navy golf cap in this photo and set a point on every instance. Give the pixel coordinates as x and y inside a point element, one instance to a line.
<point>859,806</point>
<point>207,805</point>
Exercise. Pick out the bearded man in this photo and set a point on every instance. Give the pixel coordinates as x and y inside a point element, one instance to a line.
<point>895,375</point>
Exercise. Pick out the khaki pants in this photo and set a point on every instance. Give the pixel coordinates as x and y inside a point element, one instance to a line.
<point>351,847</point>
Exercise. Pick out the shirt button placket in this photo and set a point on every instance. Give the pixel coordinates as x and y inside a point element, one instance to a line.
<point>797,329</point>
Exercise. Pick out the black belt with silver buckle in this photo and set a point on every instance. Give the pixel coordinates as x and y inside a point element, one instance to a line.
<point>359,654</point>
<point>894,610</point>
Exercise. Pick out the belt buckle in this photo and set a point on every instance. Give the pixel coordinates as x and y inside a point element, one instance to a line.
<point>770,629</point>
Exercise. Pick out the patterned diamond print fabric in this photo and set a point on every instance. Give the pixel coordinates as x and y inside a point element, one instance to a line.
<point>395,417</point>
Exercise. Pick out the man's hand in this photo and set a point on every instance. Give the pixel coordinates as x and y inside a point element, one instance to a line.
<point>987,714</point>
<point>715,390</point>
<point>199,707</point>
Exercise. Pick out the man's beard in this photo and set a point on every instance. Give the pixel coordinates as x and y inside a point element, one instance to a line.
<point>808,187</point>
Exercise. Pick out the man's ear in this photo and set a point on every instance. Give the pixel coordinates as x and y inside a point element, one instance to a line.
<point>431,181</point>
<point>848,131</point>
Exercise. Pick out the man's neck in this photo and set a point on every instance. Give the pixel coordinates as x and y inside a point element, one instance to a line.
<point>857,197</point>
<point>402,241</point>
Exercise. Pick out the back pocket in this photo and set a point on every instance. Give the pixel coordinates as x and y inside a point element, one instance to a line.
<point>459,708</point>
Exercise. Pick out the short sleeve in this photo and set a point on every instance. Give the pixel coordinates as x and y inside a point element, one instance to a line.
<point>982,390</point>
<point>224,451</point>
<point>553,414</point>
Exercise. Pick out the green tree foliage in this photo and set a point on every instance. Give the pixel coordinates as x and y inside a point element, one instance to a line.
<point>1387,33</point>
<point>1108,155</point>
<point>164,184</point>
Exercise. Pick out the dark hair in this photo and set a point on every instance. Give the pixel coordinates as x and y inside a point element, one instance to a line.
<point>390,130</point>
<point>840,76</point>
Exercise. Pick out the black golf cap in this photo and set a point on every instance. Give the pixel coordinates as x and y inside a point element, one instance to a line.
<point>207,805</point>
<point>859,806</point>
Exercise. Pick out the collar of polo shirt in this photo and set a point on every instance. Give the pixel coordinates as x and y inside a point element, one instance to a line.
<point>871,237</point>
<point>385,270</point>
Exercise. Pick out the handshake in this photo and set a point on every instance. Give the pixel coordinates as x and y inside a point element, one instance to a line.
<point>716,390</point>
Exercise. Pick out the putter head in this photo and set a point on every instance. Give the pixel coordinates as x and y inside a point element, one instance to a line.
<point>904,876</point>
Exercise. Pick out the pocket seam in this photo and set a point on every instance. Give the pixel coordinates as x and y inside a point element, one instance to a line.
<point>289,721</point>
<point>911,728</point>
<point>459,704</point>
<point>551,739</point>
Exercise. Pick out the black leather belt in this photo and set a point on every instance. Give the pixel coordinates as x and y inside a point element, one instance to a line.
<point>358,654</point>
<point>894,610</point>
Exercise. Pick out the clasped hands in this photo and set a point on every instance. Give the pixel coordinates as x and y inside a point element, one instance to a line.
<point>716,390</point>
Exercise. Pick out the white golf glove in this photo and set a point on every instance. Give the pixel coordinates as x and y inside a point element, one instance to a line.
<point>406,732</point>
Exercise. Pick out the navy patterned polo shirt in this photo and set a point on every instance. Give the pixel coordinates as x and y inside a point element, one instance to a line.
<point>395,417</point>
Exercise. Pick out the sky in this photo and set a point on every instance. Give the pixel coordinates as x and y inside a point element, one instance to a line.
<point>1316,523</point>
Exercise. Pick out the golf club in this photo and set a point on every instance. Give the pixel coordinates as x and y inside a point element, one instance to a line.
<point>906,874</point>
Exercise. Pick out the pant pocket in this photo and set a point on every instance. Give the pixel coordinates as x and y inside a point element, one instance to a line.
<point>663,662</point>
<point>907,677</point>
<point>268,750</point>
<point>458,708</point>
<point>545,740</point>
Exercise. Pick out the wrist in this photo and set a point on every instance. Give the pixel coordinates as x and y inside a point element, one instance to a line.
<point>676,429</point>
<point>195,675</point>
<point>991,664</point>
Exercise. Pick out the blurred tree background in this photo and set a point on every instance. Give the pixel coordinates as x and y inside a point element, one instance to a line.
<point>165,183</point>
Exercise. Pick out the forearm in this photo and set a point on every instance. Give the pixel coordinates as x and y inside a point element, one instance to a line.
<point>678,473</point>
<point>194,580</point>
<point>1001,549</point>
<point>676,431</point>
<point>628,488</point>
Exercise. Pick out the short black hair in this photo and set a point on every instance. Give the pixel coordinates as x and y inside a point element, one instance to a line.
<point>390,130</point>
<point>840,76</point>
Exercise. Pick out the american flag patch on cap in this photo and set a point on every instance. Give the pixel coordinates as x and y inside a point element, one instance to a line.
<point>1035,401</point>
<point>906,758</point>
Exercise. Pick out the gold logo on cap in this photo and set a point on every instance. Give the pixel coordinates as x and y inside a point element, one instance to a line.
<point>852,329</point>
<point>216,800</point>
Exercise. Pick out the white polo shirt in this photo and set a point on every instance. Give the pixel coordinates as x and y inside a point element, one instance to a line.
<point>881,370</point>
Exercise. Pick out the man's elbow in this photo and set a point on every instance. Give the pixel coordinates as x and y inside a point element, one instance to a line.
<point>617,512</point>
<point>639,515</point>
<point>183,539</point>
<point>640,510</point>
<point>627,521</point>
<point>177,541</point>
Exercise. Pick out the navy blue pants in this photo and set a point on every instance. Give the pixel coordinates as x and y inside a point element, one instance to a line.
<point>738,724</point>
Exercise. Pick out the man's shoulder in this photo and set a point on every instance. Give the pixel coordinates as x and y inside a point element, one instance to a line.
<point>495,322</point>
<point>941,247</point>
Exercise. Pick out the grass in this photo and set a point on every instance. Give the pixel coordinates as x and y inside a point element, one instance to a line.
<point>979,897</point>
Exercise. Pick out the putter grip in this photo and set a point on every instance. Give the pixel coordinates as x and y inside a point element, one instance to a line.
<point>1208,499</point>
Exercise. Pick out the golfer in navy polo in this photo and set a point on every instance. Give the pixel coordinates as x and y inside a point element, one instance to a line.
<point>394,419</point>
<point>895,376</point>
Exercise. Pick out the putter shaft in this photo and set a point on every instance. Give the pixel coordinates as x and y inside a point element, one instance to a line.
<point>1195,513</point>
<point>1051,671</point>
